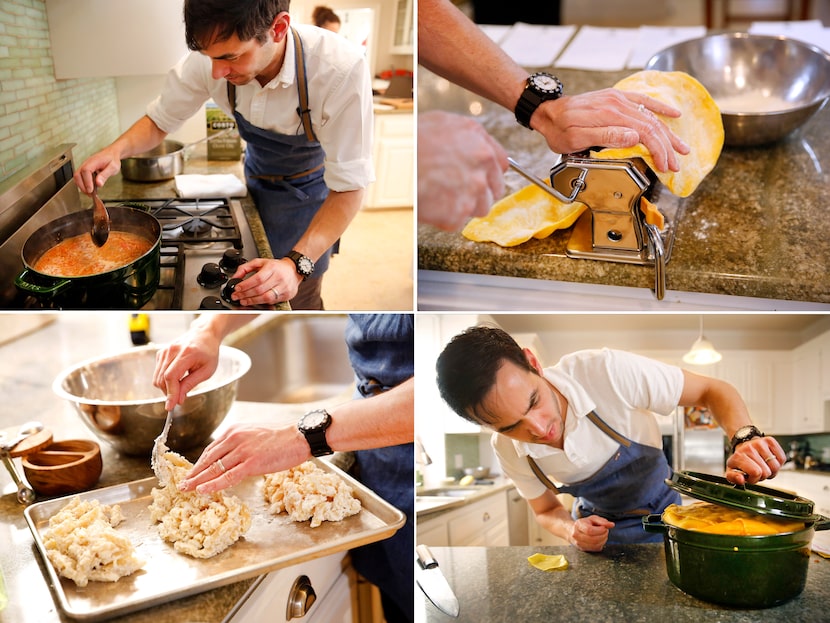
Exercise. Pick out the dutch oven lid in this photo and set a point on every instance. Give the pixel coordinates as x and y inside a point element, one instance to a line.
<point>752,498</point>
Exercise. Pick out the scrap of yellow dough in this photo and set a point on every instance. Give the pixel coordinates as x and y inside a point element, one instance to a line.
<point>652,214</point>
<point>700,126</point>
<point>527,213</point>
<point>548,563</point>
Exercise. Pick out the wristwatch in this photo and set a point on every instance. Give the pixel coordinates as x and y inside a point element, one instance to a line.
<point>744,433</point>
<point>304,264</point>
<point>313,425</point>
<point>540,87</point>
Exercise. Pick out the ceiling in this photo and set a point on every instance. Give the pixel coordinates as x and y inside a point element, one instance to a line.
<point>794,323</point>
<point>774,331</point>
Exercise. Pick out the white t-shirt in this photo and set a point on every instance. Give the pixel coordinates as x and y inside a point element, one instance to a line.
<point>625,390</point>
<point>340,99</point>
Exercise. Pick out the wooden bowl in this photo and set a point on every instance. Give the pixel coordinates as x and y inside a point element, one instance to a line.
<point>64,467</point>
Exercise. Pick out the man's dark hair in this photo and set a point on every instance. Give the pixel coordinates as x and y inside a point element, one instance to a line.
<point>206,21</point>
<point>467,369</point>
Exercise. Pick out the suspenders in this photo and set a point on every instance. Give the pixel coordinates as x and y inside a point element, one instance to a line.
<point>302,88</point>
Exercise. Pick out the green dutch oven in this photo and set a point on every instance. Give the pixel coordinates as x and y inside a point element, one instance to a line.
<point>739,571</point>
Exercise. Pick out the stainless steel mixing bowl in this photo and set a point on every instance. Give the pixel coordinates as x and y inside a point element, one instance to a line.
<point>115,398</point>
<point>765,86</point>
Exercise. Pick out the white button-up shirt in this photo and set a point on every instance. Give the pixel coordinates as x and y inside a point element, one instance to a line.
<point>625,390</point>
<point>340,99</point>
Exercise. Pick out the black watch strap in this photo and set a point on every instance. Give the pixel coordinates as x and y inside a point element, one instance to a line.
<point>540,87</point>
<point>313,426</point>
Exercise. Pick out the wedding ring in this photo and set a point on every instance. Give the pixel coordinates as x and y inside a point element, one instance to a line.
<point>276,294</point>
<point>769,458</point>
<point>221,465</point>
<point>641,108</point>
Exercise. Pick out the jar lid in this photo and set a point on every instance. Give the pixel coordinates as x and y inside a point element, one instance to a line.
<point>752,498</point>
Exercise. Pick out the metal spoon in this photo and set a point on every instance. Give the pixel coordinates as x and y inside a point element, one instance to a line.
<point>25,494</point>
<point>160,466</point>
<point>100,216</point>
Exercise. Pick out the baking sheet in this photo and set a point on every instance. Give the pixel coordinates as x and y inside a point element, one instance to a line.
<point>272,542</point>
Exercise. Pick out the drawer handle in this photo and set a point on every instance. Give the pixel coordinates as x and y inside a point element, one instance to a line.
<point>486,516</point>
<point>300,598</point>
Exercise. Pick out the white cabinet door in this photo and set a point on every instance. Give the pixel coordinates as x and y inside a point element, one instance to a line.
<point>394,158</point>
<point>102,38</point>
<point>432,532</point>
<point>808,406</point>
<point>482,523</point>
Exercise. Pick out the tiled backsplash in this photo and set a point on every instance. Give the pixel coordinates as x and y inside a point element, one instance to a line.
<point>37,111</point>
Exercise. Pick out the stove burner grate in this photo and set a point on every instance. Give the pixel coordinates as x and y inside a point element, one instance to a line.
<point>191,221</point>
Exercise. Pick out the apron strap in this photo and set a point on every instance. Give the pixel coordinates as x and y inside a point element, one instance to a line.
<point>599,423</point>
<point>302,90</point>
<point>302,86</point>
<point>534,466</point>
<point>231,95</point>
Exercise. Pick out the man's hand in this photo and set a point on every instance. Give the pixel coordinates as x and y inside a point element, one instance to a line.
<point>758,459</point>
<point>590,533</point>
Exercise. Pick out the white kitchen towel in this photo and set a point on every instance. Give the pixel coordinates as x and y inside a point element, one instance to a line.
<point>652,39</point>
<point>599,49</point>
<point>204,186</point>
<point>532,45</point>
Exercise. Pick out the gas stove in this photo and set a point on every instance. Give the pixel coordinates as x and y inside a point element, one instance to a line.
<point>203,241</point>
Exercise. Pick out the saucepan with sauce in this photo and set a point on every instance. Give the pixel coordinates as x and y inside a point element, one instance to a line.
<point>63,267</point>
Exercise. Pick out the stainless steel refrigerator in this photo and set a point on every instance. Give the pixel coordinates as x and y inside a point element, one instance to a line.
<point>698,443</point>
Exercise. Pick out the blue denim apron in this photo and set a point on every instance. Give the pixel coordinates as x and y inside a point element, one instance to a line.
<point>629,486</point>
<point>381,351</point>
<point>284,172</point>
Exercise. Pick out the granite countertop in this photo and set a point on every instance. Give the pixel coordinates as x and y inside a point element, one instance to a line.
<point>756,226</point>
<point>196,162</point>
<point>623,583</point>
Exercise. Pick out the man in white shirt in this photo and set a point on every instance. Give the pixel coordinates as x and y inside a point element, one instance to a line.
<point>589,423</point>
<point>302,99</point>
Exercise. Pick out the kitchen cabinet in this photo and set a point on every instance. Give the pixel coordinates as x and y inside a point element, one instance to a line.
<point>433,531</point>
<point>402,43</point>
<point>815,487</point>
<point>102,38</point>
<point>481,522</point>
<point>272,596</point>
<point>394,159</point>
<point>824,364</point>
<point>803,413</point>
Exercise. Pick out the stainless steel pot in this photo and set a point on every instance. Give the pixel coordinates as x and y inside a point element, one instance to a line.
<point>162,163</point>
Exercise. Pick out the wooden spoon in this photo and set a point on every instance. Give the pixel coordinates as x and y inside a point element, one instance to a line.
<point>100,216</point>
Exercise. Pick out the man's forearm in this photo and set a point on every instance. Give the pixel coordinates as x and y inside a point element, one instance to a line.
<point>453,47</point>
<point>377,422</point>
<point>331,220</point>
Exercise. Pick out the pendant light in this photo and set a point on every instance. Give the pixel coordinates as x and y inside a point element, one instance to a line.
<point>702,353</point>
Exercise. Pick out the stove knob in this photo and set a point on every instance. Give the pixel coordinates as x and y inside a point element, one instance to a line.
<point>231,260</point>
<point>212,302</point>
<point>227,291</point>
<point>211,276</point>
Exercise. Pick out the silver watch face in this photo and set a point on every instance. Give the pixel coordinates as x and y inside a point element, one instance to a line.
<point>314,419</point>
<point>546,83</point>
<point>306,265</point>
